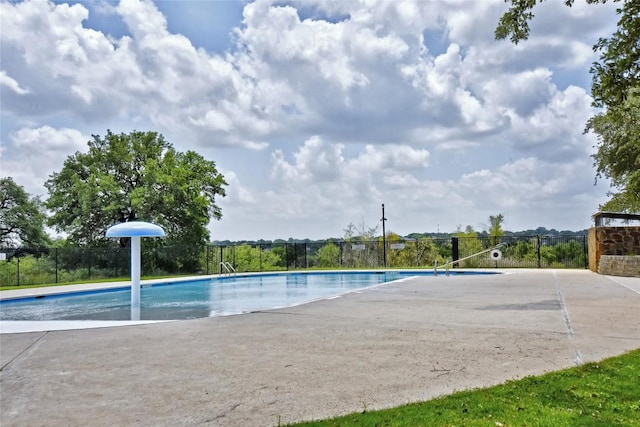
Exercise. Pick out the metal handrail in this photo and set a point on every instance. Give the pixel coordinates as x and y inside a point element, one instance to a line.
<point>227,266</point>
<point>447,264</point>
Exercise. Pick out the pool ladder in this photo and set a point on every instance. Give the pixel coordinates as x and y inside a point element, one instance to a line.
<point>228,268</point>
<point>449,263</point>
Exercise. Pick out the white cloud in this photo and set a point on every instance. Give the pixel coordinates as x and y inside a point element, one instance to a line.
<point>33,154</point>
<point>391,158</point>
<point>143,19</point>
<point>521,92</point>
<point>48,139</point>
<point>239,195</point>
<point>554,130</point>
<point>318,162</point>
<point>462,22</point>
<point>6,80</point>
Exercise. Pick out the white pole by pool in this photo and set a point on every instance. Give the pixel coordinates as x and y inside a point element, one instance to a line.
<point>135,278</point>
<point>135,230</point>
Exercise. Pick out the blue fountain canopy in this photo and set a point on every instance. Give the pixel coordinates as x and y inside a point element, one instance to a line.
<point>135,229</point>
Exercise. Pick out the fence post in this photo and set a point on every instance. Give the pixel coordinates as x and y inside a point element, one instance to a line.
<point>56,268</point>
<point>155,259</point>
<point>18,268</point>
<point>455,252</point>
<point>286,256</point>
<point>207,252</point>
<point>89,262</point>
<point>539,260</point>
<point>585,252</point>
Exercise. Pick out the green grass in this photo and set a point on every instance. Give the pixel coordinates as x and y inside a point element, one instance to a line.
<point>82,282</point>
<point>78,282</point>
<point>606,393</point>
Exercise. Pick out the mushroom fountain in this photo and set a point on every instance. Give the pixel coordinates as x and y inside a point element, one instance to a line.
<point>135,230</point>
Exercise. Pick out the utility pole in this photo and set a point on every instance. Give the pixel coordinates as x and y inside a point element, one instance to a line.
<point>384,239</point>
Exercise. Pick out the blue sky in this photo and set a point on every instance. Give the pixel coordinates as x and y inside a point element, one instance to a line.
<point>317,112</point>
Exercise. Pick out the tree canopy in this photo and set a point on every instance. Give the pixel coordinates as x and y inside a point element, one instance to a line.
<point>22,217</point>
<point>618,155</point>
<point>135,176</point>
<point>615,88</point>
<point>363,233</point>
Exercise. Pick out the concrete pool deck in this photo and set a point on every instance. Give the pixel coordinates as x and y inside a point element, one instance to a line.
<point>381,347</point>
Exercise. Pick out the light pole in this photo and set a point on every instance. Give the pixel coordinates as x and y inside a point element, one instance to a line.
<point>384,240</point>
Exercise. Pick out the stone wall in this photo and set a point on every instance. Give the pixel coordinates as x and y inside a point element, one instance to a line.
<point>620,241</point>
<point>619,265</point>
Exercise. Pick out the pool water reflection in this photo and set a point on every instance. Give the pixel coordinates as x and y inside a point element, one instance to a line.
<point>198,298</point>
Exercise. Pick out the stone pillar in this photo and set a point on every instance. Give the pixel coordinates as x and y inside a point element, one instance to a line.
<point>594,256</point>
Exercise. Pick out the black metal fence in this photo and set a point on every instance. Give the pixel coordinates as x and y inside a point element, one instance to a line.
<point>24,266</point>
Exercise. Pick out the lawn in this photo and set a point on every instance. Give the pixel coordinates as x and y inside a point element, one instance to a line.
<point>84,282</point>
<point>605,393</point>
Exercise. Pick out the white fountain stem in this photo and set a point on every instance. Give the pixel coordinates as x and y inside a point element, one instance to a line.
<point>135,278</point>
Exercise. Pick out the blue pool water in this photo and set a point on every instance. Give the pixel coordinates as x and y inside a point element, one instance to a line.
<point>198,298</point>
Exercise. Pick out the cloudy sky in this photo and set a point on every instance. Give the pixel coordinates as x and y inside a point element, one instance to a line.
<point>317,112</point>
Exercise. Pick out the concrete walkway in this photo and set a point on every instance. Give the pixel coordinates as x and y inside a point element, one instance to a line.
<point>403,342</point>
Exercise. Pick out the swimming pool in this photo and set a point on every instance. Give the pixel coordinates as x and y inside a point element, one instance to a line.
<point>199,298</point>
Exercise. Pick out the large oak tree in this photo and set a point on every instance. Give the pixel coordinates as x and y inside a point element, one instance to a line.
<point>615,89</point>
<point>135,176</point>
<point>22,217</point>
